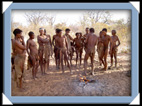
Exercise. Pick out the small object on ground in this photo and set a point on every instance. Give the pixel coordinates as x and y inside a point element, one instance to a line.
<point>84,79</point>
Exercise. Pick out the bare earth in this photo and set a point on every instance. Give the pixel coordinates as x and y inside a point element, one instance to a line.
<point>114,82</point>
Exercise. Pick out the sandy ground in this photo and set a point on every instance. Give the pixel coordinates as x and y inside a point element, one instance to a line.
<point>114,82</point>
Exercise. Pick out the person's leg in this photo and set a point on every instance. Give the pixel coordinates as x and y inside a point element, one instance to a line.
<point>92,62</point>
<point>80,56</point>
<point>66,57</point>
<point>36,68</point>
<point>71,57</point>
<point>48,62</point>
<point>76,56</point>
<point>61,60</point>
<point>85,62</point>
<point>105,59</point>
<point>44,66</point>
<point>111,56</point>
<point>33,68</point>
<point>41,62</point>
<point>115,57</point>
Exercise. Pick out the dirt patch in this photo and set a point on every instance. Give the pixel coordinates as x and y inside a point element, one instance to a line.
<point>114,82</point>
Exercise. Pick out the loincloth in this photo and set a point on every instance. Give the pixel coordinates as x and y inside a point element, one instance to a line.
<point>19,66</point>
<point>100,51</point>
<point>45,52</point>
<point>30,63</point>
<point>114,49</point>
<point>90,50</point>
<point>56,51</point>
<point>79,49</point>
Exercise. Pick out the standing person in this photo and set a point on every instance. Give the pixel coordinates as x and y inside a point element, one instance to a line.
<point>63,47</point>
<point>114,48</point>
<point>90,44</point>
<point>19,59</point>
<point>100,49</point>
<point>33,54</point>
<point>43,50</point>
<point>56,51</point>
<point>49,48</point>
<point>106,39</point>
<point>85,36</point>
<point>69,39</point>
<point>78,47</point>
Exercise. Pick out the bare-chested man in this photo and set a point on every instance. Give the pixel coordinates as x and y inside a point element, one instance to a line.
<point>63,47</point>
<point>44,42</point>
<point>113,47</point>
<point>33,54</point>
<point>78,47</point>
<point>85,36</point>
<point>19,56</point>
<point>106,39</point>
<point>69,39</point>
<point>90,44</point>
<point>56,51</point>
<point>100,49</point>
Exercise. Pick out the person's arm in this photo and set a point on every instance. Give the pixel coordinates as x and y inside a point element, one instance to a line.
<point>74,42</point>
<point>27,47</point>
<point>20,46</point>
<point>110,46</point>
<point>70,38</point>
<point>86,40</point>
<point>66,43</point>
<point>42,40</point>
<point>12,45</point>
<point>53,41</point>
<point>23,43</point>
<point>118,42</point>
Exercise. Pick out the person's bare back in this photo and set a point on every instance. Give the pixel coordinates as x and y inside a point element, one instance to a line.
<point>90,44</point>
<point>91,41</point>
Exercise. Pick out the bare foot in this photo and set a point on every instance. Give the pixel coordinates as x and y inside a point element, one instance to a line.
<point>110,67</point>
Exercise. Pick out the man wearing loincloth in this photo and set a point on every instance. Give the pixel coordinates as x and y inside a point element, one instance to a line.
<point>85,36</point>
<point>63,48</point>
<point>56,51</point>
<point>19,56</point>
<point>90,44</point>
<point>44,42</point>
<point>78,47</point>
<point>69,39</point>
<point>32,51</point>
<point>106,39</point>
<point>100,49</point>
<point>114,47</point>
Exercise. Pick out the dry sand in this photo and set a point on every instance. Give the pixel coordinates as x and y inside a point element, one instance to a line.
<point>114,82</point>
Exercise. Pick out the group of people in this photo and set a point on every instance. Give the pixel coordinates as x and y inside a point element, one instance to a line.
<point>64,47</point>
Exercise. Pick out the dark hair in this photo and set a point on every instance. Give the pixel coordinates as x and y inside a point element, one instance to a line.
<point>76,33</point>
<point>17,31</point>
<point>67,29</point>
<point>100,31</point>
<point>114,31</point>
<point>58,30</point>
<point>104,29</point>
<point>87,28</point>
<point>30,33</point>
<point>45,30</point>
<point>92,30</point>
